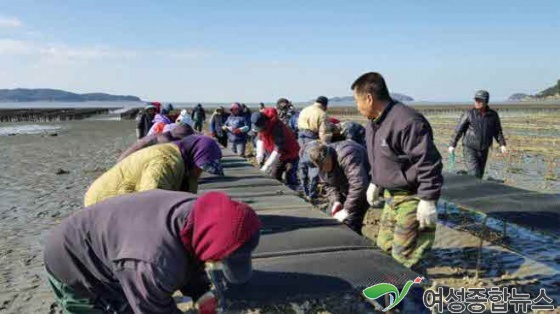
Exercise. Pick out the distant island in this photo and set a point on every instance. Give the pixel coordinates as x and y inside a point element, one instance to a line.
<point>550,94</point>
<point>347,99</point>
<point>27,95</point>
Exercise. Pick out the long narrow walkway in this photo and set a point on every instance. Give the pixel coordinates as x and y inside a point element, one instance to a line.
<point>303,253</point>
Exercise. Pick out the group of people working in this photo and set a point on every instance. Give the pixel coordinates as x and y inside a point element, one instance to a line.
<point>144,234</point>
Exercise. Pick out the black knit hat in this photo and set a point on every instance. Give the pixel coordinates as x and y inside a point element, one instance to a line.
<point>322,100</point>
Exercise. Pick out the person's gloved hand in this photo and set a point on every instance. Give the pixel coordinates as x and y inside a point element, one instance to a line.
<point>503,149</point>
<point>338,212</point>
<point>225,128</point>
<point>341,215</point>
<point>337,206</point>
<point>265,168</point>
<point>426,214</point>
<point>451,149</point>
<point>372,194</point>
<point>272,160</point>
<point>207,303</point>
<point>237,131</point>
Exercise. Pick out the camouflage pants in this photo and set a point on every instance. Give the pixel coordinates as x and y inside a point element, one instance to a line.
<point>72,303</point>
<point>399,230</point>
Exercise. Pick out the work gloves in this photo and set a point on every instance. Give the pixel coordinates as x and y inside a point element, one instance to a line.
<point>207,303</point>
<point>240,130</point>
<point>338,212</point>
<point>372,194</point>
<point>274,157</point>
<point>260,152</point>
<point>503,149</point>
<point>426,214</point>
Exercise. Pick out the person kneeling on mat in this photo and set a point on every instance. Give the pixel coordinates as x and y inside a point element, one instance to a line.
<point>131,253</point>
<point>343,168</point>
<point>174,166</point>
<point>278,141</point>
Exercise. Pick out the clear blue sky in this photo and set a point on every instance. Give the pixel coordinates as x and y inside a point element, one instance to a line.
<point>251,51</point>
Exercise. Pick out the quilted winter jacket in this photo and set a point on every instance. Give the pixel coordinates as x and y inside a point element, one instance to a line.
<point>155,167</point>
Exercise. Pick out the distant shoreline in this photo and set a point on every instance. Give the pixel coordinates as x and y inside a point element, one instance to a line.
<point>4,101</point>
<point>421,105</point>
<point>58,95</point>
<point>70,105</point>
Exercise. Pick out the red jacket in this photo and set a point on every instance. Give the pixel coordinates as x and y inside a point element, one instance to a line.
<point>277,136</point>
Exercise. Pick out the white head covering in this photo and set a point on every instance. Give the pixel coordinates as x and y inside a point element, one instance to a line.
<point>184,118</point>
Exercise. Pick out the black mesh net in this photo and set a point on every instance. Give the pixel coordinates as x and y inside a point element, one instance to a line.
<point>526,208</point>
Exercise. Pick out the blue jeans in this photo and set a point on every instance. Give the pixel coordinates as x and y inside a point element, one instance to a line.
<point>238,148</point>
<point>309,177</point>
<point>293,174</point>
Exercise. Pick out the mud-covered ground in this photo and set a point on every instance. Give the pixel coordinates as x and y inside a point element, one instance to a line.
<point>43,179</point>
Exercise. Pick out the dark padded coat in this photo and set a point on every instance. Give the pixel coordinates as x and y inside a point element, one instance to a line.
<point>347,183</point>
<point>478,129</point>
<point>402,153</point>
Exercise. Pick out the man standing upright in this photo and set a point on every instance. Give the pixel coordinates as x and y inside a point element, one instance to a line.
<point>199,116</point>
<point>406,163</point>
<point>478,125</point>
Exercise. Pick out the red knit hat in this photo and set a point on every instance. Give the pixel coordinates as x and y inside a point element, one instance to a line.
<point>217,226</point>
<point>334,120</point>
<point>157,105</point>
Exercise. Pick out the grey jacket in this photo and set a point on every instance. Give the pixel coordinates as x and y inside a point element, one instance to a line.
<point>128,249</point>
<point>347,183</point>
<point>402,153</point>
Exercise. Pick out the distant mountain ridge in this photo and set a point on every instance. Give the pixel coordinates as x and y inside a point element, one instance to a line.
<point>550,94</point>
<point>347,99</point>
<point>45,94</point>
